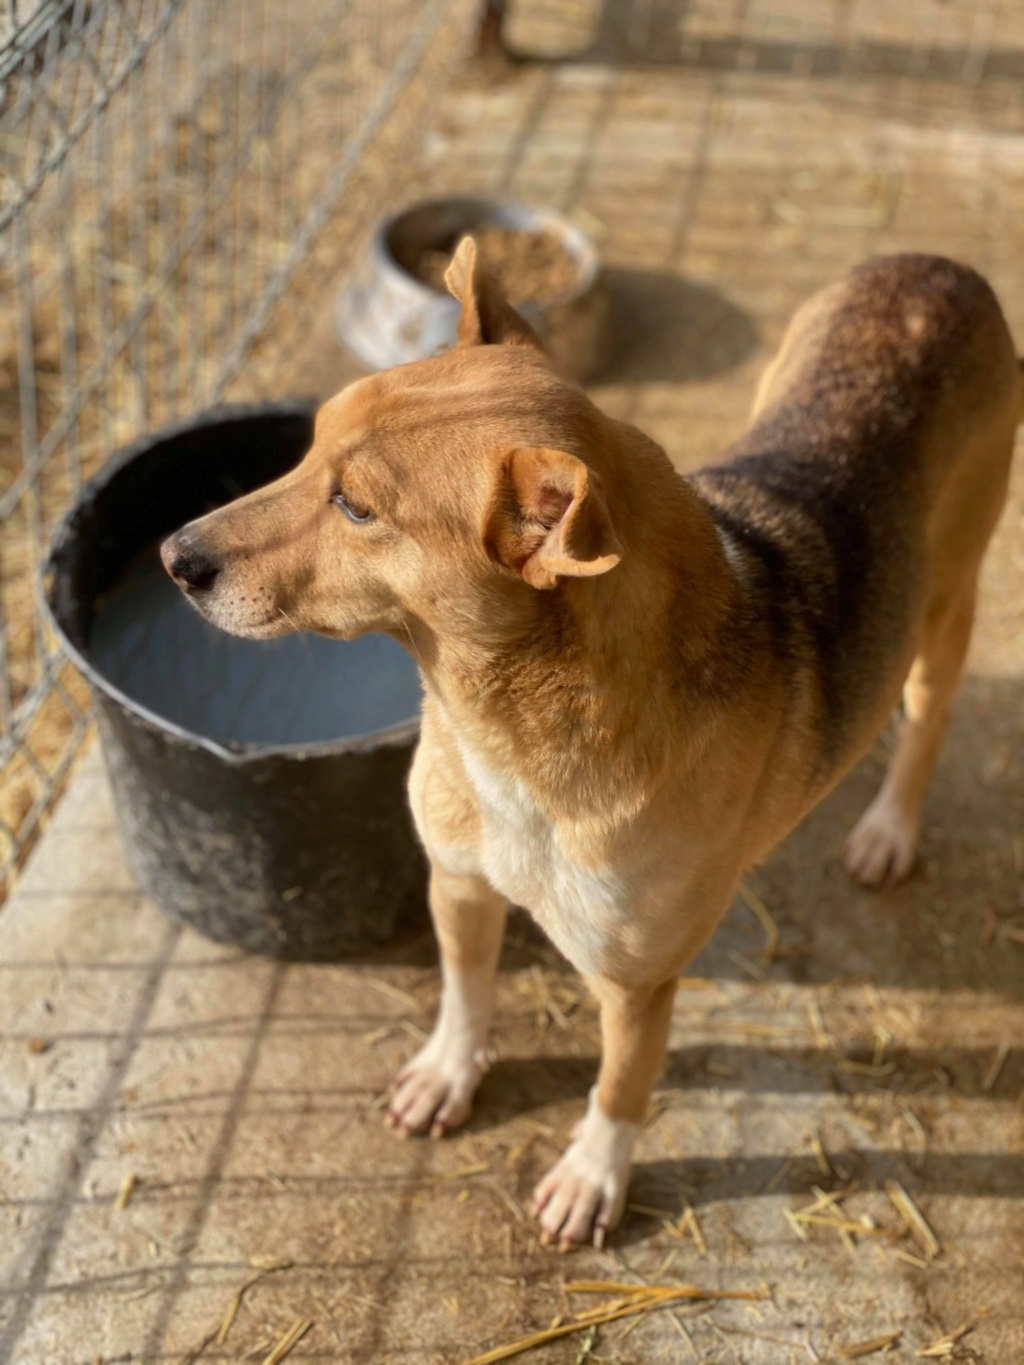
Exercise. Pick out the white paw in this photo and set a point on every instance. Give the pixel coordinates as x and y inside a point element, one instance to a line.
<point>583,1195</point>
<point>883,844</point>
<point>434,1093</point>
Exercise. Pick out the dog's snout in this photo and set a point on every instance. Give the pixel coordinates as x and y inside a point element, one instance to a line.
<point>191,567</point>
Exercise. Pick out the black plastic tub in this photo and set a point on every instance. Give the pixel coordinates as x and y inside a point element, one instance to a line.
<point>259,786</point>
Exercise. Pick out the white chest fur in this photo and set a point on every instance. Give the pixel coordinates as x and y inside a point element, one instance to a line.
<point>523,856</point>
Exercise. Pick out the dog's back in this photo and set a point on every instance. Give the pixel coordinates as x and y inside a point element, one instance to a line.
<point>893,399</point>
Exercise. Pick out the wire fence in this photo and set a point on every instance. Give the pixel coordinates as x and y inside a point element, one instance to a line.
<point>167,170</point>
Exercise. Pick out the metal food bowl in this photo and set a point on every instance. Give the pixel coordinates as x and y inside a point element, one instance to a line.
<point>385,316</point>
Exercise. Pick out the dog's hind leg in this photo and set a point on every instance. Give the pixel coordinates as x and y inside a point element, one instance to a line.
<point>883,844</point>
<point>435,1091</point>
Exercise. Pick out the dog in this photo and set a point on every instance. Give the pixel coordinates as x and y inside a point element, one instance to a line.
<point>636,683</point>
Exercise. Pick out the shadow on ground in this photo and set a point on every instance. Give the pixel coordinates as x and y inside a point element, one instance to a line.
<point>703,1181</point>
<point>958,922</point>
<point>673,330</point>
<point>641,33</point>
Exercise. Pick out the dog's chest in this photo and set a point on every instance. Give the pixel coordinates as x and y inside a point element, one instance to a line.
<point>580,906</point>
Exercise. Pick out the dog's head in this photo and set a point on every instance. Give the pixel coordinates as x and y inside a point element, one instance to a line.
<point>441,495</point>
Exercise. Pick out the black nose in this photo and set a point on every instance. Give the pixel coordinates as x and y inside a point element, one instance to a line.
<point>191,567</point>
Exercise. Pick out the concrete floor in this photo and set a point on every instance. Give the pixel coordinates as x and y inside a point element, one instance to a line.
<point>882,1041</point>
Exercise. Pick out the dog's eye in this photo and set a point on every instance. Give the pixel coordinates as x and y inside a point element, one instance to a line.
<point>352,510</point>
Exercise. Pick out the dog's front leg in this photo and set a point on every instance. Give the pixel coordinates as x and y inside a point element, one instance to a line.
<point>435,1091</point>
<point>584,1194</point>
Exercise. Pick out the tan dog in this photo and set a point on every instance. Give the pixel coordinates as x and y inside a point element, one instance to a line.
<point>637,683</point>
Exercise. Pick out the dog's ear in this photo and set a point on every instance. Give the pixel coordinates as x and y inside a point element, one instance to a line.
<point>488,319</point>
<point>549,519</point>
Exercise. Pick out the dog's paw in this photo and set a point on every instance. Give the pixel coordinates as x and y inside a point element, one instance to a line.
<point>434,1093</point>
<point>583,1195</point>
<point>882,847</point>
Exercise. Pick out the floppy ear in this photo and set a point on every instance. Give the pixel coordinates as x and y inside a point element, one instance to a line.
<point>550,519</point>
<point>488,319</point>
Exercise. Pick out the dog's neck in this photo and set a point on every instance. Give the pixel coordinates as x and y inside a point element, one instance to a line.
<point>601,675</point>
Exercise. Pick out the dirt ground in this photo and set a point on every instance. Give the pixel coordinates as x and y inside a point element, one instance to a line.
<point>877,1040</point>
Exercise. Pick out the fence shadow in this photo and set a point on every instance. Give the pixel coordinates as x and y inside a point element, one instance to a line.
<point>638,33</point>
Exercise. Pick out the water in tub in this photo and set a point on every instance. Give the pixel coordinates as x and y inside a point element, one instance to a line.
<point>302,689</point>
